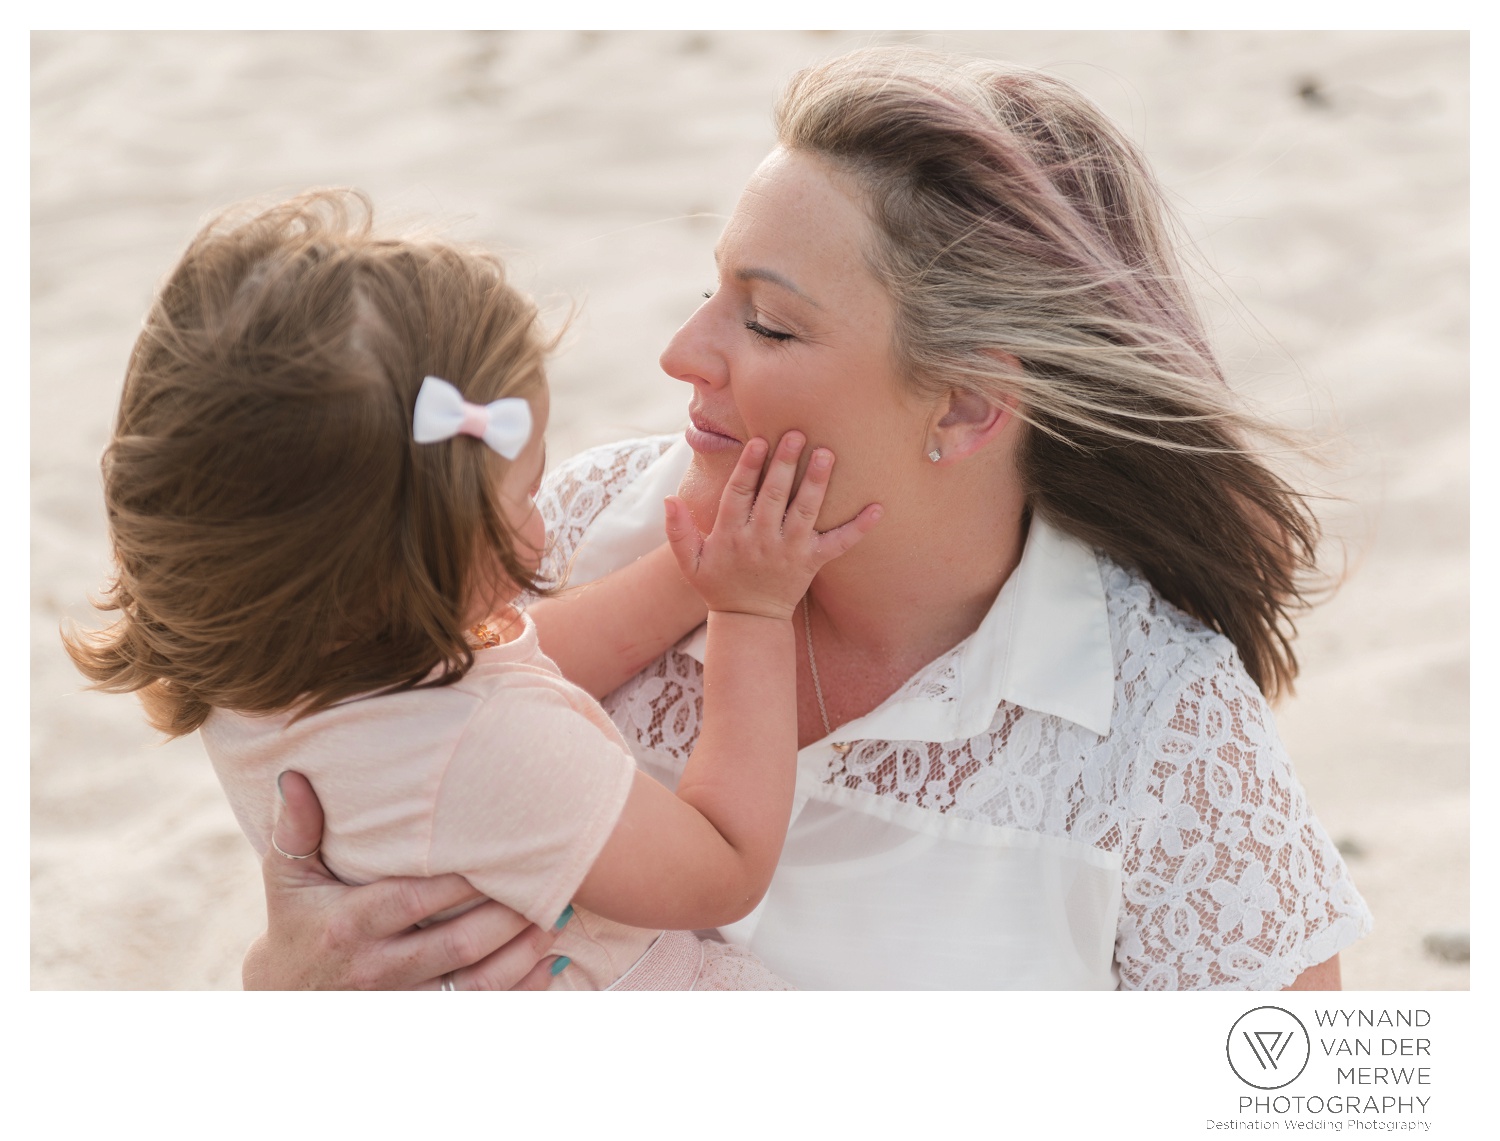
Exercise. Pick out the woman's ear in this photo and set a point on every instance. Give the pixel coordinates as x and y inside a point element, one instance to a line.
<point>967,423</point>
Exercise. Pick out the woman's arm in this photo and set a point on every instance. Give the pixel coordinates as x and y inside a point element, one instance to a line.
<point>604,633</point>
<point>322,934</point>
<point>1222,833</point>
<point>1325,976</point>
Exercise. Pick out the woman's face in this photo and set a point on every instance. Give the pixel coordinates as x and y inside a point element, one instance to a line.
<point>797,334</point>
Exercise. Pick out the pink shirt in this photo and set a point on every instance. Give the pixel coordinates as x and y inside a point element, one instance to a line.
<point>512,777</point>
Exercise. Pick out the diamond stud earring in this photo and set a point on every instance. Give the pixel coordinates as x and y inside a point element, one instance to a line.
<point>935,455</point>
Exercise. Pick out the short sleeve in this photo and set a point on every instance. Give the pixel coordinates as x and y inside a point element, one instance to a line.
<point>1230,882</point>
<point>531,794</point>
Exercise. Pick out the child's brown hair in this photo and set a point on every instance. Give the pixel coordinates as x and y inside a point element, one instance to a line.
<point>280,540</point>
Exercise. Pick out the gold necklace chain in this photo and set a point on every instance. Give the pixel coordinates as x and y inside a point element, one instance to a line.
<point>812,662</point>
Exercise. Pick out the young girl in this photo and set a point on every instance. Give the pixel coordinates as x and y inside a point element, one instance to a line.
<point>320,499</point>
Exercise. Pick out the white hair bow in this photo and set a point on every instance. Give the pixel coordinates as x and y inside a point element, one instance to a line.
<point>442,413</point>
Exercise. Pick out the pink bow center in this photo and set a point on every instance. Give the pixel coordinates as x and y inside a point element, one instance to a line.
<point>476,420</point>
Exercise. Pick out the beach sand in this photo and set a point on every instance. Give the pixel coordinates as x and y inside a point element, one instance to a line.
<point>1323,177</point>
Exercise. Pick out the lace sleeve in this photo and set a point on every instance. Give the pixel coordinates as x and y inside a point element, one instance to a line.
<point>1230,881</point>
<point>573,494</point>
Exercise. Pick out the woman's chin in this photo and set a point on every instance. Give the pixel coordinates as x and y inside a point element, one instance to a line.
<point>701,488</point>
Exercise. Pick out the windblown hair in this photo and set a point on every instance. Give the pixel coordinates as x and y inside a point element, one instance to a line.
<point>1014,220</point>
<point>280,540</point>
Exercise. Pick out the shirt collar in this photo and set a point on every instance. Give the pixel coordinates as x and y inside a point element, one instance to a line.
<point>1044,645</point>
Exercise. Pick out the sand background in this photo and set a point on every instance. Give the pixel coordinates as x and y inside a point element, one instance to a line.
<point>1324,177</point>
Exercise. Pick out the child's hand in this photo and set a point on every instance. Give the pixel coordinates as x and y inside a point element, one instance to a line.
<point>762,554</point>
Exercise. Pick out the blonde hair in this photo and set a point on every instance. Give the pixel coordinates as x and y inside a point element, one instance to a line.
<point>1014,219</point>
<point>280,540</point>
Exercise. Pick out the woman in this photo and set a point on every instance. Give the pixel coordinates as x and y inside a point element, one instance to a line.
<point>1036,746</point>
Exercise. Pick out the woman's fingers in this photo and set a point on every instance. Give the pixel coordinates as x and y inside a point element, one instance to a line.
<point>489,947</point>
<point>832,544</point>
<point>299,824</point>
<point>377,911</point>
<point>776,488</point>
<point>298,832</point>
<point>388,907</point>
<point>523,963</point>
<point>541,975</point>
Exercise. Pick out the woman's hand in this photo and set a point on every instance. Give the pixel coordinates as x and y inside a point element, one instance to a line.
<point>322,934</point>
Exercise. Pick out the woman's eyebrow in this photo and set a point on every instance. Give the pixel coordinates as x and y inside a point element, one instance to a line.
<point>757,273</point>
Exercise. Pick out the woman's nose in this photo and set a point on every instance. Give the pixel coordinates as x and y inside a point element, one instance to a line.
<point>692,354</point>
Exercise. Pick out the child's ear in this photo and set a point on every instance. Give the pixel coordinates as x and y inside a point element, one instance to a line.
<point>968,421</point>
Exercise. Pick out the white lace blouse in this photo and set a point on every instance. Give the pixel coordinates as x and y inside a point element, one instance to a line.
<point>1086,793</point>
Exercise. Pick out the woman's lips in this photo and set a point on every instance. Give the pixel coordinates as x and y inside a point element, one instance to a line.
<point>707,438</point>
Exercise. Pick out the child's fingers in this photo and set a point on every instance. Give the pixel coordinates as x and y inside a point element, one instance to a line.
<point>803,513</point>
<point>739,492</point>
<point>683,535</point>
<point>832,544</point>
<point>776,488</point>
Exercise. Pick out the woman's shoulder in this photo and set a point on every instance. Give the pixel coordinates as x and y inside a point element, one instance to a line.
<point>609,463</point>
<point>1181,689</point>
<point>1160,649</point>
<point>1231,882</point>
<point>579,488</point>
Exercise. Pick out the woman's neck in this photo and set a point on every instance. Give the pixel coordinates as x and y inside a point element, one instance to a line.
<point>918,585</point>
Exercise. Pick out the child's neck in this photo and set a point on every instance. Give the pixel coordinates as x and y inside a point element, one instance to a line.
<point>503,625</point>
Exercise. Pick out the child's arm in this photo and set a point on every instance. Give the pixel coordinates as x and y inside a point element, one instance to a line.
<point>604,633</point>
<point>705,856</point>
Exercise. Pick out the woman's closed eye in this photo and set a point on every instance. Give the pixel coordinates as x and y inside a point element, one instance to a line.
<point>765,332</point>
<point>769,334</point>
